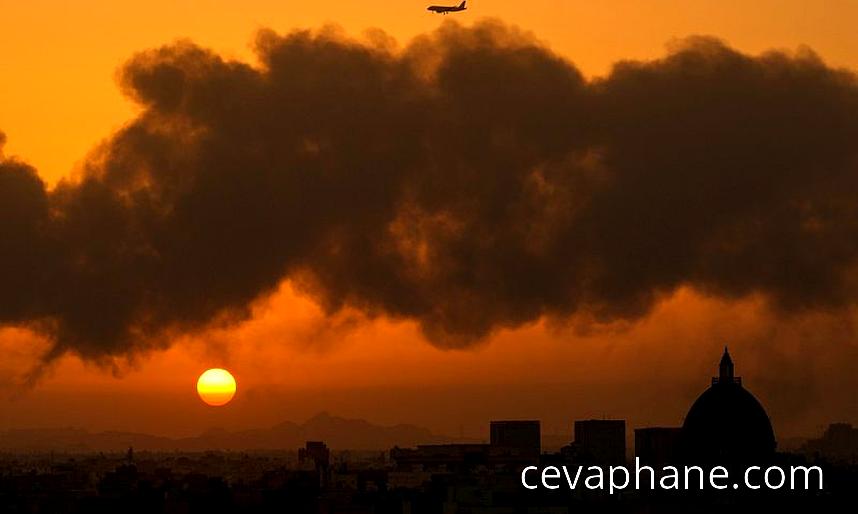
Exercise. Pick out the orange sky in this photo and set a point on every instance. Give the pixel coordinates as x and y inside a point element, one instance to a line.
<point>58,99</point>
<point>58,96</point>
<point>291,363</point>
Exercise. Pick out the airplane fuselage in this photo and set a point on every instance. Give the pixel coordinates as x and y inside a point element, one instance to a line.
<point>443,9</point>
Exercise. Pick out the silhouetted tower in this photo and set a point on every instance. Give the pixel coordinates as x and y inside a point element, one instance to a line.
<point>726,371</point>
<point>320,455</point>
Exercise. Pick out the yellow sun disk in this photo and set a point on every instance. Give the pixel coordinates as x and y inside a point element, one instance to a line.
<point>216,387</point>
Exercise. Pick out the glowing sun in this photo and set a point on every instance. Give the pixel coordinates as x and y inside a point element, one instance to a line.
<point>216,387</point>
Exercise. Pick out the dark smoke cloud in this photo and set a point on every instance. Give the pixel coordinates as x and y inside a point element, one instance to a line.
<point>471,181</point>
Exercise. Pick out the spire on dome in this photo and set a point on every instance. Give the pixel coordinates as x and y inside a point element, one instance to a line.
<point>726,372</point>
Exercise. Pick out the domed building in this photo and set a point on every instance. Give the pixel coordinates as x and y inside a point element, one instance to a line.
<point>727,424</point>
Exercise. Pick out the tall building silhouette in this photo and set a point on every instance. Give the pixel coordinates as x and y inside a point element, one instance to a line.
<point>839,443</point>
<point>601,441</point>
<point>520,435</point>
<point>658,446</point>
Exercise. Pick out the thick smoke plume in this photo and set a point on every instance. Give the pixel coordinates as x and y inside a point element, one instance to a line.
<point>470,181</point>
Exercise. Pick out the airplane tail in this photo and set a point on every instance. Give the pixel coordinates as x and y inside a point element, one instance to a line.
<point>462,5</point>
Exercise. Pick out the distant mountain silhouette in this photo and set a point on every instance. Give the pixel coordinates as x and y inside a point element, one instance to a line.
<point>338,433</point>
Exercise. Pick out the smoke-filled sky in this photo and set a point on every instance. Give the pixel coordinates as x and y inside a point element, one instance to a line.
<point>459,220</point>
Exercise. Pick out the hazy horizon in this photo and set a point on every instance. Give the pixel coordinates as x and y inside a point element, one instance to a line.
<point>500,217</point>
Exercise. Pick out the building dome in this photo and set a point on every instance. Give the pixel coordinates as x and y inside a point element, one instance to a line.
<point>727,423</point>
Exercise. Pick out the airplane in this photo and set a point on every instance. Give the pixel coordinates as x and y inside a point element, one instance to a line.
<point>440,9</point>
